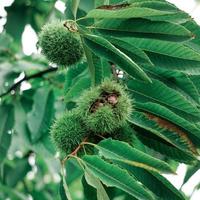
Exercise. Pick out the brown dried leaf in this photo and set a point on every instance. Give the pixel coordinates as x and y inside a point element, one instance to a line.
<point>114,7</point>
<point>173,128</point>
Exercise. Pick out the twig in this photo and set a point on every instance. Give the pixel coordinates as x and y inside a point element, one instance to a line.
<point>26,78</point>
<point>75,151</point>
<point>79,146</point>
<point>113,68</point>
<point>101,136</point>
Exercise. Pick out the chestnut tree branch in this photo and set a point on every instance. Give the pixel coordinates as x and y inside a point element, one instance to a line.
<point>26,78</point>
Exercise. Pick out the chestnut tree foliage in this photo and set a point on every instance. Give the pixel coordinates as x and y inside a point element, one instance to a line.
<point>113,102</point>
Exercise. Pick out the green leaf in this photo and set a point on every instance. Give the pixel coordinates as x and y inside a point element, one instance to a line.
<point>16,173</point>
<point>176,15</point>
<point>191,170</point>
<point>75,7</point>
<point>21,13</point>
<point>195,81</point>
<point>72,8</point>
<point>89,192</point>
<point>64,188</point>
<point>6,128</point>
<point>156,93</point>
<point>44,147</point>
<point>6,48</point>
<point>176,80</point>
<point>12,193</point>
<point>194,28</point>
<point>99,69</point>
<point>75,91</point>
<point>127,12</point>
<point>62,191</point>
<point>136,54</point>
<point>107,70</point>
<point>159,145</point>
<point>104,48</point>
<point>22,134</point>
<point>86,6</point>
<point>187,66</point>
<point>102,2</point>
<point>40,117</point>
<point>121,151</point>
<point>173,49</point>
<point>177,194</point>
<point>165,130</point>
<point>111,175</point>
<point>155,4</point>
<point>135,1</point>
<point>74,170</point>
<point>95,182</point>
<point>94,65</point>
<point>165,113</point>
<point>73,74</point>
<point>16,14</point>
<point>7,76</point>
<point>144,26</point>
<point>152,180</point>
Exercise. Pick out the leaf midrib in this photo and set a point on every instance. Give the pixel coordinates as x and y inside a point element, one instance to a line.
<point>128,161</point>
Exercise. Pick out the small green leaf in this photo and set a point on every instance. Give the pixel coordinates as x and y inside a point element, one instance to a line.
<point>95,182</point>
<point>41,115</point>
<point>75,90</point>
<point>16,173</point>
<point>64,187</point>
<point>74,169</point>
<point>75,7</point>
<point>62,191</point>
<point>191,170</point>
<point>6,128</point>
<point>94,65</point>
<point>89,192</point>
<point>73,74</point>
<point>11,192</point>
